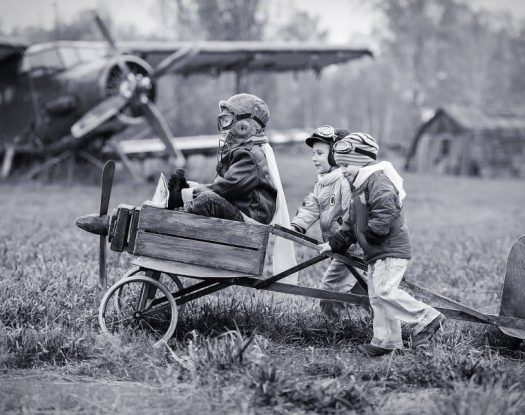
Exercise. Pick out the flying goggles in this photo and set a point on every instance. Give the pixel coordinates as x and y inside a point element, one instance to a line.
<point>326,132</point>
<point>225,120</point>
<point>344,147</point>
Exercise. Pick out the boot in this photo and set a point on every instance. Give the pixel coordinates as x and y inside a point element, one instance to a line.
<point>373,351</point>
<point>176,183</point>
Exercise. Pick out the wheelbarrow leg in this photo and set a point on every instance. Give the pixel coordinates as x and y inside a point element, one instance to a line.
<point>148,291</point>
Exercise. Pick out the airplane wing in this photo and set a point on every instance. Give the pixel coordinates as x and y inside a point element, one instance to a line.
<point>201,144</point>
<point>219,56</point>
<point>11,46</point>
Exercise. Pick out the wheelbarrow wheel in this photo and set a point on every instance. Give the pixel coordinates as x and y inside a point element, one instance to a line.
<point>139,304</point>
<point>171,281</point>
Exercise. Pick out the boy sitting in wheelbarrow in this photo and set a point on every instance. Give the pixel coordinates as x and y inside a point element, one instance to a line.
<point>247,186</point>
<point>375,220</point>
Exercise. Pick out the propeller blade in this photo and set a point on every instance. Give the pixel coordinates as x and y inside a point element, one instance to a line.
<point>176,60</point>
<point>97,115</point>
<point>107,183</point>
<point>102,262</point>
<point>161,129</point>
<point>107,36</point>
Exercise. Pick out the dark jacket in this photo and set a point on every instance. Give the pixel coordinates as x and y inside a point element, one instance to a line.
<point>375,220</point>
<point>243,178</point>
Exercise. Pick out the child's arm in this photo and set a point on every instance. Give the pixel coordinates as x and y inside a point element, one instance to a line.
<point>307,214</point>
<point>384,205</point>
<point>344,237</point>
<point>241,177</point>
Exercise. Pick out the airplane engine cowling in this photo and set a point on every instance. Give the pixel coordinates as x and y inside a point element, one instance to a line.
<point>113,82</point>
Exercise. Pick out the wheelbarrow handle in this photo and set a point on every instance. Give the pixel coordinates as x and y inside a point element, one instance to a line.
<point>350,261</point>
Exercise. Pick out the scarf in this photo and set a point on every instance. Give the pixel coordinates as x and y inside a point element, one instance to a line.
<point>385,166</point>
<point>283,249</point>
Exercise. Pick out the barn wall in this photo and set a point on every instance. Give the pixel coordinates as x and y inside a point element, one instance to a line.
<point>427,155</point>
<point>441,153</point>
<point>444,148</point>
<point>503,154</point>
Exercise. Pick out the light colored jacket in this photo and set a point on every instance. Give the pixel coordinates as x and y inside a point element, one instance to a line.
<point>328,201</point>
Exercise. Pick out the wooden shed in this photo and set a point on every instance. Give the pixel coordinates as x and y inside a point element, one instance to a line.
<point>466,141</point>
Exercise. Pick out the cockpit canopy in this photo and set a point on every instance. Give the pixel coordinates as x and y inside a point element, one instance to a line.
<point>59,56</point>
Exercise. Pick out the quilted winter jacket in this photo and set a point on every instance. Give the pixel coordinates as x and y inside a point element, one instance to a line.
<point>375,220</point>
<point>243,179</point>
<point>328,201</point>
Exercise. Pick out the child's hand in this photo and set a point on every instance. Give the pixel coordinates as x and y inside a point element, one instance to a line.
<point>325,248</point>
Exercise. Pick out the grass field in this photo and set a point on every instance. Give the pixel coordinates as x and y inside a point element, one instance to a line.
<point>248,352</point>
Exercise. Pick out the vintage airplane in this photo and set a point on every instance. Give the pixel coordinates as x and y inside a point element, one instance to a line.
<point>66,98</point>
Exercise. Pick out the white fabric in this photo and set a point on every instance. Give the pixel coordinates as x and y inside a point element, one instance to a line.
<point>161,195</point>
<point>283,249</point>
<point>365,172</point>
<point>392,305</point>
<point>187,194</point>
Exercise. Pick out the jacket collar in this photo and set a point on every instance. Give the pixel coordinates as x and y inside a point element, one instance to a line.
<point>329,178</point>
<point>230,145</point>
<point>386,167</point>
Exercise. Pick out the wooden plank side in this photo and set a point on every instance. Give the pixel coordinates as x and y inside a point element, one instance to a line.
<point>120,236</point>
<point>186,225</point>
<point>134,223</point>
<point>173,248</point>
<point>513,294</point>
<point>187,270</point>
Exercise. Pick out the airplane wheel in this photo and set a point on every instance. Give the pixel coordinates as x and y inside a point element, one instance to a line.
<point>136,304</point>
<point>171,281</point>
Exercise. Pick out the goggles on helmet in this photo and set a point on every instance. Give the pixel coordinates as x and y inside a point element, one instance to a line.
<point>344,147</point>
<point>325,132</point>
<point>225,120</point>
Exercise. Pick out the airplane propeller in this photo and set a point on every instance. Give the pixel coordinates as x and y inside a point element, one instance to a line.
<point>99,224</point>
<point>134,90</point>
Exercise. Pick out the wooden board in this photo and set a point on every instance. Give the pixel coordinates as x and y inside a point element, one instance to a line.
<point>186,270</point>
<point>513,295</point>
<point>120,235</point>
<point>173,248</point>
<point>247,235</point>
<point>134,223</point>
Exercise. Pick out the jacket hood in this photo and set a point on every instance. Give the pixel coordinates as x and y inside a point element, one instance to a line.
<point>385,166</point>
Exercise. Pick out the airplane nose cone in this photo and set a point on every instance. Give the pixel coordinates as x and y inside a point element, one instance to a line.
<point>94,224</point>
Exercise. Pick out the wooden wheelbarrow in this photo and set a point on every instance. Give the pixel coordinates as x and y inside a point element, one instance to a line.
<point>218,253</point>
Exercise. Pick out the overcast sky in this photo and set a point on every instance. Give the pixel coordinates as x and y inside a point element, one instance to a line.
<point>341,17</point>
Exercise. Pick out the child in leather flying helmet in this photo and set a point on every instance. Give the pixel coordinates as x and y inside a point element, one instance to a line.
<point>327,203</point>
<point>243,188</point>
<point>375,220</point>
<point>247,187</point>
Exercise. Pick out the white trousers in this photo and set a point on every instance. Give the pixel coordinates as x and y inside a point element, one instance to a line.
<point>337,277</point>
<point>392,305</point>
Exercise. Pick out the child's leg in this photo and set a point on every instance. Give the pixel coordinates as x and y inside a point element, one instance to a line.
<point>212,205</point>
<point>337,277</point>
<point>387,331</point>
<point>398,304</point>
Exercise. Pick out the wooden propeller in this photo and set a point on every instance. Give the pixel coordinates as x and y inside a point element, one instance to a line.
<point>99,224</point>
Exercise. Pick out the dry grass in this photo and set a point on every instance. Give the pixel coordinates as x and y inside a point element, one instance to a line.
<point>242,351</point>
